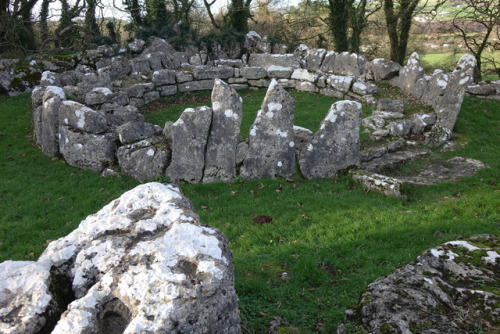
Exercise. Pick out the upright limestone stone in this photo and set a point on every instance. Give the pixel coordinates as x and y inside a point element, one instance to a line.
<point>220,157</point>
<point>409,75</point>
<point>271,149</point>
<point>49,133</point>
<point>336,144</point>
<point>189,139</point>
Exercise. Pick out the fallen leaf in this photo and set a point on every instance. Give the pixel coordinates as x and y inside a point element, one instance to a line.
<point>204,207</point>
<point>438,232</point>
<point>69,223</point>
<point>289,180</point>
<point>234,192</point>
<point>270,299</point>
<point>252,192</point>
<point>455,218</point>
<point>300,205</point>
<point>280,188</point>
<point>295,255</point>
<point>262,186</point>
<point>294,186</point>
<point>282,240</point>
<point>305,217</point>
<point>278,304</point>
<point>22,154</point>
<point>262,314</point>
<point>101,190</point>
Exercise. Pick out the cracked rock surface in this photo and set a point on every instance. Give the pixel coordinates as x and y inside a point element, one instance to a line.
<point>143,263</point>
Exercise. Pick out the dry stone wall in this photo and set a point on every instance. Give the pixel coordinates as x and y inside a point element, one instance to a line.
<point>90,117</point>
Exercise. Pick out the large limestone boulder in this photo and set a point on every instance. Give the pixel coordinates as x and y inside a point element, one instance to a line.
<point>336,144</point>
<point>267,60</point>
<point>143,263</point>
<point>189,135</point>
<point>82,118</point>
<point>409,75</point>
<point>227,105</point>
<point>314,59</point>
<point>451,288</point>
<point>349,64</point>
<point>271,147</point>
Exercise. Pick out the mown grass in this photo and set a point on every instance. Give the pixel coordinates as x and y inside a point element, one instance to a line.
<point>328,236</point>
<point>448,61</point>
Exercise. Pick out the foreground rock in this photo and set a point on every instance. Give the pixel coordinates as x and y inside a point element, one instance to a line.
<point>336,144</point>
<point>271,148</point>
<point>452,288</point>
<point>143,263</point>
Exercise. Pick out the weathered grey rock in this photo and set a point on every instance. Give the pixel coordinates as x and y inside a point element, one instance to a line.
<point>305,86</point>
<point>143,263</point>
<point>400,128</point>
<point>189,139</point>
<point>449,105</point>
<point>373,122</point>
<point>140,66</point>
<point>237,80</point>
<point>241,152</point>
<point>69,78</point>
<point>379,69</point>
<point>123,114</point>
<point>340,83</point>
<point>219,72</point>
<point>450,171</point>
<point>49,122</point>
<point>26,303</point>
<point>388,114</point>
<point>196,85</point>
<point>145,159</point>
<point>481,89</point>
<point>390,161</point>
<point>167,90</point>
<point>304,75</point>
<point>136,45</point>
<point>151,97</point>
<point>253,72</point>
<point>134,131</point>
<point>496,84</point>
<point>118,68</point>
<point>261,83</point>
<point>229,62</point>
<point>303,137</point>
<point>164,77</point>
<point>251,39</point>
<point>434,89</point>
<point>271,148</point>
<point>433,293</point>
<point>391,105</point>
<point>267,60</point>
<point>279,49</point>
<point>155,60</point>
<point>314,59</point>
<point>331,92</point>
<point>301,50</point>
<point>375,152</point>
<point>378,183</point>
<point>184,76</point>
<point>286,83</point>
<point>82,118</point>
<point>422,122</point>
<point>37,96</point>
<point>336,144</point>
<point>220,156</point>
<point>50,79</point>
<point>409,75</point>
<point>98,95</point>
<point>138,90</point>
<point>364,88</point>
<point>85,150</point>
<point>328,64</point>
<point>158,45</point>
<point>349,64</point>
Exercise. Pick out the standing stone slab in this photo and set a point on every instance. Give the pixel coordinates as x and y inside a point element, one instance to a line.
<point>336,144</point>
<point>349,64</point>
<point>48,127</point>
<point>314,59</point>
<point>271,151</point>
<point>227,105</point>
<point>189,139</point>
<point>410,74</point>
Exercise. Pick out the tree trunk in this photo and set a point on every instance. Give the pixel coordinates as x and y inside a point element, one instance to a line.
<point>338,20</point>
<point>91,28</point>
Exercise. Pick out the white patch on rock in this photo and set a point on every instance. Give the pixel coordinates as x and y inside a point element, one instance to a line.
<point>280,164</point>
<point>491,258</point>
<point>150,152</point>
<point>291,144</point>
<point>283,134</point>
<point>463,244</point>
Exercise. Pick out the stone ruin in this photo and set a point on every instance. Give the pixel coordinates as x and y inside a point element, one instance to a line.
<point>90,118</point>
<point>142,264</point>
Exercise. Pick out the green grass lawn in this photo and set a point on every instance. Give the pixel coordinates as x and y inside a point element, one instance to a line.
<point>331,238</point>
<point>448,61</point>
